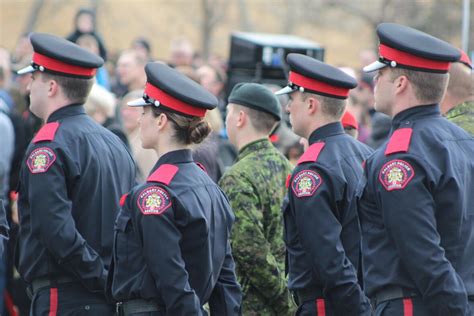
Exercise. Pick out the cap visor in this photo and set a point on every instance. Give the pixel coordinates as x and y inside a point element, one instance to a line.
<point>137,102</point>
<point>285,90</point>
<point>26,70</point>
<point>376,65</point>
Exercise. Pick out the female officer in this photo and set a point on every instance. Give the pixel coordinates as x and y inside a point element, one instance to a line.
<point>172,252</point>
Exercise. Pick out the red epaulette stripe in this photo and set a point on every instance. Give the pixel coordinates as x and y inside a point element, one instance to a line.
<point>164,174</point>
<point>53,301</point>
<point>46,133</point>
<point>407,307</point>
<point>287,182</point>
<point>123,199</point>
<point>320,307</point>
<point>312,153</point>
<point>399,141</point>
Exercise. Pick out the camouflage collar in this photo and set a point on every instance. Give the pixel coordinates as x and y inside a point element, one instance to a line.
<point>461,109</point>
<point>254,146</point>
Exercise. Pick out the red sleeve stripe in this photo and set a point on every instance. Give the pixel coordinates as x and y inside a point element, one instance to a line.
<point>59,66</point>
<point>53,302</point>
<point>316,85</point>
<point>172,102</point>
<point>407,307</point>
<point>408,59</point>
<point>320,307</point>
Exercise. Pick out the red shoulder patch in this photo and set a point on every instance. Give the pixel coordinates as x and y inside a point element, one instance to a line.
<point>287,182</point>
<point>306,182</point>
<point>399,141</point>
<point>153,201</point>
<point>312,153</point>
<point>164,174</point>
<point>46,133</point>
<point>40,159</point>
<point>123,199</point>
<point>396,174</point>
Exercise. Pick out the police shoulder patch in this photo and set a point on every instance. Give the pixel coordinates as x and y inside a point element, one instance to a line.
<point>306,182</point>
<point>153,200</point>
<point>396,174</point>
<point>40,159</point>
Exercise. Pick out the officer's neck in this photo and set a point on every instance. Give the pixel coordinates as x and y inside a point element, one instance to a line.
<point>53,105</point>
<point>317,122</point>
<point>164,146</point>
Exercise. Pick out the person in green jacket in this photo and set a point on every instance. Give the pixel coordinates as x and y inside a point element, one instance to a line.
<point>255,186</point>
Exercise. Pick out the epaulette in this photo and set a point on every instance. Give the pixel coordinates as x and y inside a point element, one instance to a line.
<point>46,133</point>
<point>399,141</point>
<point>164,174</point>
<point>312,153</point>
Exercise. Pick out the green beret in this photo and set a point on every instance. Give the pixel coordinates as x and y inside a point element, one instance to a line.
<point>257,97</point>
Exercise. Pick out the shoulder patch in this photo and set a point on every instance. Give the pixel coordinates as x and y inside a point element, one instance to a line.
<point>153,200</point>
<point>46,133</point>
<point>312,153</point>
<point>396,174</point>
<point>306,182</point>
<point>40,159</point>
<point>399,141</point>
<point>164,174</point>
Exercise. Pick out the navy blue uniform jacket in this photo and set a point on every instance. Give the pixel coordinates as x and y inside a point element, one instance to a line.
<point>417,211</point>
<point>172,241</point>
<point>70,185</point>
<point>322,231</point>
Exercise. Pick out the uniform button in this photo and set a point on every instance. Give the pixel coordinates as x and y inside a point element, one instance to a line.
<point>87,307</point>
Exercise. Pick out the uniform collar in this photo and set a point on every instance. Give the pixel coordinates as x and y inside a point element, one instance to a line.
<point>174,157</point>
<point>254,146</point>
<point>66,111</point>
<point>415,113</point>
<point>325,131</point>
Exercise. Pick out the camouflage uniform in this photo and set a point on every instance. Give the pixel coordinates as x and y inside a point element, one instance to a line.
<point>255,185</point>
<point>463,116</point>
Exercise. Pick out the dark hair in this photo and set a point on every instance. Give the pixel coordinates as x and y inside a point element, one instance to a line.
<point>428,87</point>
<point>188,129</point>
<point>75,89</point>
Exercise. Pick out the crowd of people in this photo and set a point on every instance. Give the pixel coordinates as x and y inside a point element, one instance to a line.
<point>231,182</point>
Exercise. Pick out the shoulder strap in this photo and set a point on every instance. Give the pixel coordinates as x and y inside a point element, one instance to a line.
<point>46,133</point>
<point>312,153</point>
<point>164,174</point>
<point>399,141</point>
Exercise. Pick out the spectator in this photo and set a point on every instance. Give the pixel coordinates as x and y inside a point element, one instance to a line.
<point>130,72</point>
<point>90,43</point>
<point>181,53</point>
<point>143,47</point>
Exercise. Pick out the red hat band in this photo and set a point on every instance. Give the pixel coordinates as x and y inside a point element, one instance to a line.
<point>173,103</point>
<point>317,86</point>
<point>408,59</point>
<point>59,66</point>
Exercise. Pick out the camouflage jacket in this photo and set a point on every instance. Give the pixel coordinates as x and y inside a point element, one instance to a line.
<point>255,185</point>
<point>463,116</point>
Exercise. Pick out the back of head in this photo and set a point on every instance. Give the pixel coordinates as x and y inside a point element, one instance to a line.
<point>461,82</point>
<point>100,100</point>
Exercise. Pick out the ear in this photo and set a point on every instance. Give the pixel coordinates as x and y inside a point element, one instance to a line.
<point>241,118</point>
<point>401,84</point>
<point>53,88</point>
<point>161,121</point>
<point>313,105</point>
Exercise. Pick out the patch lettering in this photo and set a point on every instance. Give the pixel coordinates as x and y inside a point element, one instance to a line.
<point>41,159</point>
<point>153,201</point>
<point>306,182</point>
<point>396,174</point>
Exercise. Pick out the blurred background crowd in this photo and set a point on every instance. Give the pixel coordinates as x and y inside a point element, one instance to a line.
<point>193,37</point>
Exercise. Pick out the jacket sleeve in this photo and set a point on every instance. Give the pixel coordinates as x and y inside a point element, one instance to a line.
<point>161,248</point>
<point>53,224</point>
<point>256,263</point>
<point>3,228</point>
<point>319,231</point>
<point>226,297</point>
<point>409,215</point>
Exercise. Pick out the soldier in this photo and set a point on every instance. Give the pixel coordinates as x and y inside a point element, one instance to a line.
<point>458,102</point>
<point>70,183</point>
<point>255,186</point>
<point>417,206</point>
<point>322,233</point>
<point>172,252</point>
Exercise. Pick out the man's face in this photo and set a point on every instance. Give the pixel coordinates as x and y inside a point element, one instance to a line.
<point>208,79</point>
<point>38,89</point>
<point>384,91</point>
<point>296,109</point>
<point>128,69</point>
<point>231,122</point>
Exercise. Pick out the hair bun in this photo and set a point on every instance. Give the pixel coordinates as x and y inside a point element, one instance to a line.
<point>198,131</point>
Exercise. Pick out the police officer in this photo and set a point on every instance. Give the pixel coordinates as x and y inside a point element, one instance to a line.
<point>417,208</point>
<point>71,180</point>
<point>321,225</point>
<point>172,252</point>
<point>255,186</point>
